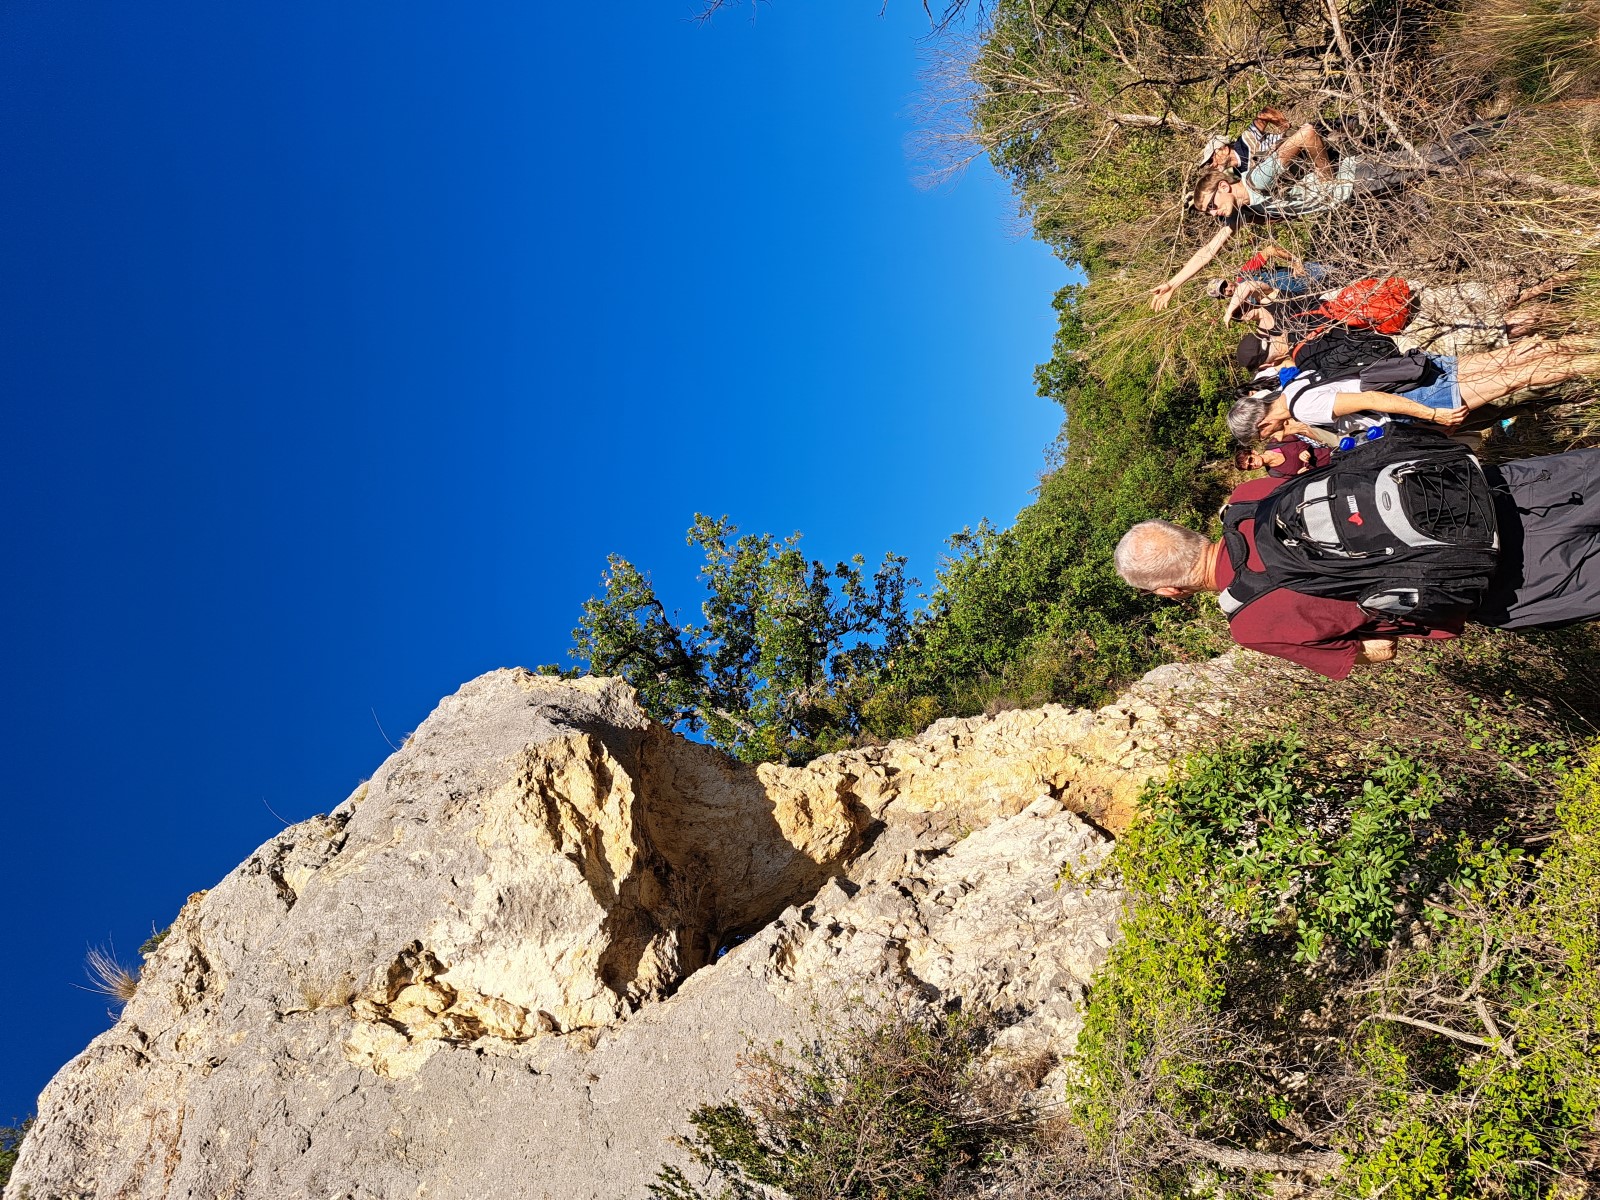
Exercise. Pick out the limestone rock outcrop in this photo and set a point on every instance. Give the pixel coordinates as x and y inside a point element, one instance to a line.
<point>513,961</point>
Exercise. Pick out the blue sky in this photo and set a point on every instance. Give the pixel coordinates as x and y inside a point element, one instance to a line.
<point>341,342</point>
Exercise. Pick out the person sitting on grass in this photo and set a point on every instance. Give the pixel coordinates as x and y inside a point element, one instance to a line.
<point>1264,193</point>
<point>1448,389</point>
<point>1248,199</point>
<point>1547,512</point>
<point>1291,277</point>
<point>1262,136</point>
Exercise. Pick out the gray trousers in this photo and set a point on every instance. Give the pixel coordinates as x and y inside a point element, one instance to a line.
<point>1549,512</point>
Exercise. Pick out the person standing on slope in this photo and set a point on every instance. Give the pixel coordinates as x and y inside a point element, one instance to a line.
<point>1543,540</point>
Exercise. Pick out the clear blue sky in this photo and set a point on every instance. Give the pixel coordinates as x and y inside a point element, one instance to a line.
<point>340,342</point>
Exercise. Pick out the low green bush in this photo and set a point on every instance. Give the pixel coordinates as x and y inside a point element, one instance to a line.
<point>10,1141</point>
<point>1329,970</point>
<point>883,1110</point>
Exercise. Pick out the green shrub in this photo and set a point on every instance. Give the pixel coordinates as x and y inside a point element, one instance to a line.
<point>883,1111</point>
<point>1328,966</point>
<point>10,1142</point>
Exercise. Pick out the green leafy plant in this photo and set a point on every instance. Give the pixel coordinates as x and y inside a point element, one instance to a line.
<point>10,1143</point>
<point>1323,971</point>
<point>785,657</point>
<point>152,943</point>
<point>880,1111</point>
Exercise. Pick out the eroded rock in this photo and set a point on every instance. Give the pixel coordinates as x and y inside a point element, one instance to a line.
<point>494,969</point>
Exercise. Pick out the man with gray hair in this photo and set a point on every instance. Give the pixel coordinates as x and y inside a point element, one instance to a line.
<point>1167,559</point>
<point>1547,571</point>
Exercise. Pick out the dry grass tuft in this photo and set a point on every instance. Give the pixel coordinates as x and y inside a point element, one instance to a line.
<point>109,977</point>
<point>316,995</point>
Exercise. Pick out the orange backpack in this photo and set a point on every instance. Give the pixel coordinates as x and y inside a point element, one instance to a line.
<point>1381,304</point>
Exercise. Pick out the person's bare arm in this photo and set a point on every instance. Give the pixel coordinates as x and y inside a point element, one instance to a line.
<point>1323,437</point>
<point>1161,295</point>
<point>1306,140</point>
<point>1272,118</point>
<point>1246,295</point>
<point>1295,263</point>
<point>1346,403</point>
<point>1374,651</point>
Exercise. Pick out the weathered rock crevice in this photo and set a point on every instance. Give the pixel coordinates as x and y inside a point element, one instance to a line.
<point>512,961</point>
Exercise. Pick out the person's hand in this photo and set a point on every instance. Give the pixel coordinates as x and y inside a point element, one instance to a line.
<point>1161,295</point>
<point>1450,418</point>
<point>1374,651</point>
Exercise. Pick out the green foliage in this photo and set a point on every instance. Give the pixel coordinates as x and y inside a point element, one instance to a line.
<point>1036,612</point>
<point>1288,850</point>
<point>1531,952</point>
<point>879,1112</point>
<point>10,1141</point>
<point>785,658</point>
<point>1327,955</point>
<point>153,942</point>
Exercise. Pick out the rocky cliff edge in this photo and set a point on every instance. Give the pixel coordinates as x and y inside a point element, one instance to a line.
<point>512,962</point>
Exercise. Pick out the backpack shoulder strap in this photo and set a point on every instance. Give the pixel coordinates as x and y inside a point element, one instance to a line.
<point>1299,385</point>
<point>1247,584</point>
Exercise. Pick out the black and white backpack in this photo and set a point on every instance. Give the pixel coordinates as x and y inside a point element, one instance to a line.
<point>1403,525</point>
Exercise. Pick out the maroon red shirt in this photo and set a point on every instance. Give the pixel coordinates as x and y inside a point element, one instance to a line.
<point>1321,634</point>
<point>1291,449</point>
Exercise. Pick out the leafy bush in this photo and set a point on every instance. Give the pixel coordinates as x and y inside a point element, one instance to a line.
<point>153,943</point>
<point>881,1111</point>
<point>1325,971</point>
<point>10,1141</point>
<point>786,657</point>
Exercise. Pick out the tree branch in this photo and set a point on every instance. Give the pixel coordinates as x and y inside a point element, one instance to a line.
<point>1470,1038</point>
<point>1568,191</point>
<point>1501,1042</point>
<point>1310,1162</point>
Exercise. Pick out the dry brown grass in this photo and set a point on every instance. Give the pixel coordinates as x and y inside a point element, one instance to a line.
<point>109,977</point>
<point>1097,111</point>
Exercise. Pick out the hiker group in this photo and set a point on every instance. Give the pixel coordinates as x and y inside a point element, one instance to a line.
<point>1375,520</point>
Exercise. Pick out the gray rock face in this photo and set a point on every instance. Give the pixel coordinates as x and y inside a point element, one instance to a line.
<point>493,971</point>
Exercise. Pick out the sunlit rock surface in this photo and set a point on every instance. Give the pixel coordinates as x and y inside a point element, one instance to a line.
<point>511,963</point>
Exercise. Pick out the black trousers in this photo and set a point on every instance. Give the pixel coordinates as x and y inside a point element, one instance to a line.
<point>1549,513</point>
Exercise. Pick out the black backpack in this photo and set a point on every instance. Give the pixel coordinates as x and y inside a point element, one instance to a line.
<point>1339,352</point>
<point>1403,525</point>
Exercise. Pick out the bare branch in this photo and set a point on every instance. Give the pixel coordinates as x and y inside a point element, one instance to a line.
<point>1308,1162</point>
<point>1501,1042</point>
<point>1470,1038</point>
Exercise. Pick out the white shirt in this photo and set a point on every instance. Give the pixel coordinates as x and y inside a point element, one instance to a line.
<point>1314,406</point>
